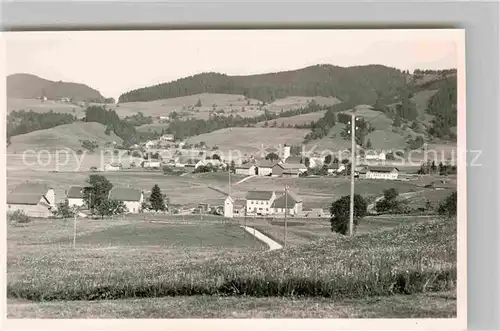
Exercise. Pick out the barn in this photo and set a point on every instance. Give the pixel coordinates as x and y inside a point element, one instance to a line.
<point>33,199</point>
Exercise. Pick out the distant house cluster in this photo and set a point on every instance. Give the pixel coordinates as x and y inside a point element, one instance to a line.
<point>38,200</point>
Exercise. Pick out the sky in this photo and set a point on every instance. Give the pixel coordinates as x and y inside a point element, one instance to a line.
<point>115,62</point>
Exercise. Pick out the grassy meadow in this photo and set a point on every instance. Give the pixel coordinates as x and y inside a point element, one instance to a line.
<point>412,259</point>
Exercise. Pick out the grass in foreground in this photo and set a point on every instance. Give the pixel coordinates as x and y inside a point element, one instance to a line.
<point>409,259</point>
<point>429,305</point>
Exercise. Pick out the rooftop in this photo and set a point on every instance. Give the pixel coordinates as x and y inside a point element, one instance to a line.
<point>27,194</point>
<point>125,194</point>
<point>286,201</point>
<point>382,169</point>
<point>259,195</point>
<point>75,192</point>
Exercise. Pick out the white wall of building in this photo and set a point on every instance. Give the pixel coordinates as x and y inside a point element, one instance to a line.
<point>78,202</point>
<point>381,175</point>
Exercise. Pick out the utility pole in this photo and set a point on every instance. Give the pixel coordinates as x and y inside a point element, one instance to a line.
<point>286,208</point>
<point>353,167</point>
<point>74,229</point>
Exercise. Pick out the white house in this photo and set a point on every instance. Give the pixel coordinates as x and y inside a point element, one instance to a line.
<point>286,152</point>
<point>246,169</point>
<point>382,173</point>
<point>167,137</point>
<point>260,202</point>
<point>265,167</point>
<point>151,143</point>
<point>131,197</point>
<point>289,203</point>
<point>374,156</point>
<point>228,207</point>
<point>75,196</point>
<point>315,162</point>
<point>33,199</point>
<point>113,166</point>
<point>152,163</point>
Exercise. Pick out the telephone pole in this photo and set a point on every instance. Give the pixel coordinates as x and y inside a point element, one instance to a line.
<point>353,167</point>
<point>286,207</point>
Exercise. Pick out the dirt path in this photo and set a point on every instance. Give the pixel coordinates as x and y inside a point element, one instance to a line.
<point>273,245</point>
<point>244,179</point>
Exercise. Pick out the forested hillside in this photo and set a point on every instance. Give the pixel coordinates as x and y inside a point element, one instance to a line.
<point>27,86</point>
<point>360,84</point>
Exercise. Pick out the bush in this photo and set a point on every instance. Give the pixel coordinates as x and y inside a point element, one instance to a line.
<point>19,217</point>
<point>340,213</point>
<point>448,206</point>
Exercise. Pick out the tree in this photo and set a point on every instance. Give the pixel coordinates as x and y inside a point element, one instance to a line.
<point>448,206</point>
<point>307,162</point>
<point>369,143</point>
<point>215,157</point>
<point>98,191</point>
<point>232,167</point>
<point>64,210</point>
<point>397,121</point>
<point>198,103</point>
<point>108,131</point>
<point>156,199</point>
<point>433,167</point>
<point>328,159</point>
<point>389,202</point>
<point>340,213</point>
<point>109,207</point>
<point>272,157</point>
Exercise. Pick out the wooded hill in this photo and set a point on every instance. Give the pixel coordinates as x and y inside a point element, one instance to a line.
<point>359,84</point>
<point>27,86</point>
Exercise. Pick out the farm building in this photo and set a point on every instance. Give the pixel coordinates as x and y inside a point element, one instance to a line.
<point>151,163</point>
<point>372,155</point>
<point>382,173</point>
<point>289,169</point>
<point>151,144</point>
<point>75,196</point>
<point>113,166</point>
<point>289,203</point>
<point>315,162</point>
<point>260,202</point>
<point>33,199</point>
<point>167,137</point>
<point>239,207</point>
<point>246,169</point>
<point>265,167</point>
<point>228,207</point>
<point>131,197</point>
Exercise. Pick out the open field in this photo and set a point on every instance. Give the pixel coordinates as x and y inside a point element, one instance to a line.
<point>428,305</point>
<point>44,107</point>
<point>66,136</point>
<point>250,140</point>
<point>295,120</point>
<point>381,263</point>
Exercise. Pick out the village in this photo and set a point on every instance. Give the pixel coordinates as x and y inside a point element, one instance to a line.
<point>39,200</point>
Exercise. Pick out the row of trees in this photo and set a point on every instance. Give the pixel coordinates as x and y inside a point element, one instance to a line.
<point>442,169</point>
<point>21,122</point>
<point>389,203</point>
<point>357,84</point>
<point>122,128</point>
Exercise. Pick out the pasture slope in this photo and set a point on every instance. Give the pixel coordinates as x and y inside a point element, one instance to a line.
<point>137,272</point>
<point>61,137</point>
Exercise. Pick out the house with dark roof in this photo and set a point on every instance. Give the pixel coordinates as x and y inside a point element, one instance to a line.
<point>260,202</point>
<point>289,169</point>
<point>382,172</point>
<point>288,202</point>
<point>131,197</point>
<point>75,196</point>
<point>265,167</point>
<point>246,169</point>
<point>33,199</point>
